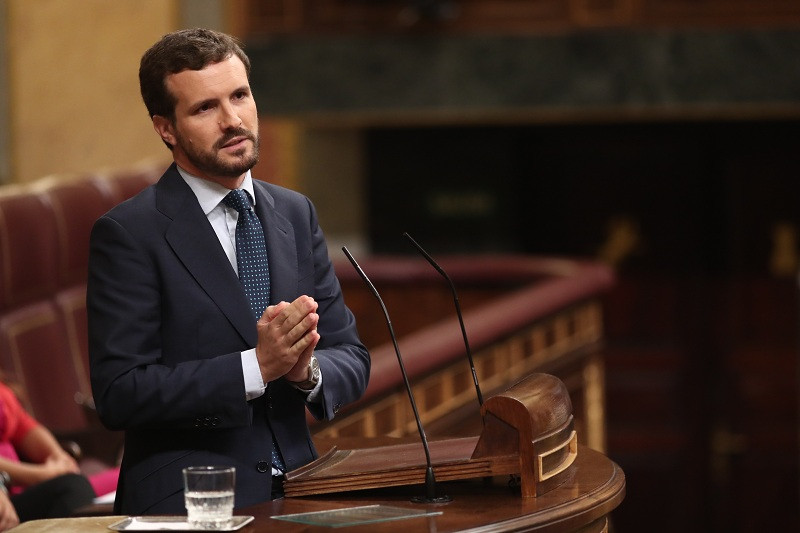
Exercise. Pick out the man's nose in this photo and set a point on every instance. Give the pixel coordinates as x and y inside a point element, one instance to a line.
<point>229,118</point>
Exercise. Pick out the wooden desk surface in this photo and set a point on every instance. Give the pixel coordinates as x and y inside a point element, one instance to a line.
<point>596,487</point>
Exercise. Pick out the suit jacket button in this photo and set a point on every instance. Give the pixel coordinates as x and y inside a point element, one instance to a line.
<point>263,466</point>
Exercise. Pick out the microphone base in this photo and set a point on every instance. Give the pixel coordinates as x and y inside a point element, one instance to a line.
<point>435,499</point>
<point>430,487</point>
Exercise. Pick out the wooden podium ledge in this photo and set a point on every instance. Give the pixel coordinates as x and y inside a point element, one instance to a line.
<point>594,488</point>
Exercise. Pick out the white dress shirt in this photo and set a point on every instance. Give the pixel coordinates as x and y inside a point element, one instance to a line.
<point>223,219</point>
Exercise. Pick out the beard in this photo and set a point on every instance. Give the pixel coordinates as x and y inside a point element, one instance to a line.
<point>210,162</point>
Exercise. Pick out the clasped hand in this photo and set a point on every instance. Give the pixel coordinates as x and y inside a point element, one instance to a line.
<point>287,336</point>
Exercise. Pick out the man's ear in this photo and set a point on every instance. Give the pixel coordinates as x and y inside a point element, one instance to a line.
<point>165,129</point>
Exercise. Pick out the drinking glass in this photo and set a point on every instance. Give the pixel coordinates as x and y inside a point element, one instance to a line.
<point>208,492</point>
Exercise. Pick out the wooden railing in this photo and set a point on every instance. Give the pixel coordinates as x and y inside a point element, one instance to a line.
<point>522,314</point>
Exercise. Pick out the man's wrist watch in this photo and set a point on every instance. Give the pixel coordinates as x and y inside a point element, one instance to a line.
<point>313,376</point>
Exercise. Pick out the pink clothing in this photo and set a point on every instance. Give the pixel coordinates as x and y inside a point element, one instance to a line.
<point>15,423</point>
<point>105,481</point>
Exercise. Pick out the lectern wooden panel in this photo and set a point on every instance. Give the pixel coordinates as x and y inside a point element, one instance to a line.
<point>528,431</point>
<point>593,487</point>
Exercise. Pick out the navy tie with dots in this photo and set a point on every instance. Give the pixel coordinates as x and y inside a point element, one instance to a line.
<point>251,252</point>
<point>251,261</point>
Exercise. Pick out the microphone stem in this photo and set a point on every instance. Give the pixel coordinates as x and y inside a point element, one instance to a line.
<point>430,479</point>
<point>410,395</point>
<point>441,271</point>
<point>466,343</point>
<point>399,360</point>
<point>430,484</point>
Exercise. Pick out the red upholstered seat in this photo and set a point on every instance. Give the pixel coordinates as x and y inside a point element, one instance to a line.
<point>28,265</point>
<point>125,184</point>
<point>44,246</point>
<point>34,352</point>
<point>76,204</point>
<point>71,303</point>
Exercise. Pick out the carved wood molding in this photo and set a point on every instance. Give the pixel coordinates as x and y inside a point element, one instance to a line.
<point>571,335</point>
<point>252,18</point>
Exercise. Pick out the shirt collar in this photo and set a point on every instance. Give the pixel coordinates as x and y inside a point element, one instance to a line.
<point>210,194</point>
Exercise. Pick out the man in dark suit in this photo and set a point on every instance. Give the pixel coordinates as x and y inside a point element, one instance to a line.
<point>179,358</point>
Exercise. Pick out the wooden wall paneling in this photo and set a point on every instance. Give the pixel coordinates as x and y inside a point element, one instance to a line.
<point>346,16</point>
<point>254,17</point>
<point>602,12</point>
<point>719,12</point>
<point>263,17</point>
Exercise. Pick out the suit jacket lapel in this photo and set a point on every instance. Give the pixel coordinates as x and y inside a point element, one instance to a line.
<point>281,249</point>
<point>196,245</point>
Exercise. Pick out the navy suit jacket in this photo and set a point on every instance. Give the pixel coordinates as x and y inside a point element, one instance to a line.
<point>168,320</point>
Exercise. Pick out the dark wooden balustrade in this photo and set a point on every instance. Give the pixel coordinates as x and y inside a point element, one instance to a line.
<point>522,314</point>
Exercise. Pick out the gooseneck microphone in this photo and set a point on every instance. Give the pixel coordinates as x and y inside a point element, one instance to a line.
<point>430,479</point>
<point>441,271</point>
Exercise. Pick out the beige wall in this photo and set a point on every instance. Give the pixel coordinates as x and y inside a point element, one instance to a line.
<point>73,106</point>
<point>73,92</point>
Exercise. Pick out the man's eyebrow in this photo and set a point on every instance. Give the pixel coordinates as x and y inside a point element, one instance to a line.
<point>201,103</point>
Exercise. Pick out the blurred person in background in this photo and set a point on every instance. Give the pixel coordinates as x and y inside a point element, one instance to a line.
<point>39,477</point>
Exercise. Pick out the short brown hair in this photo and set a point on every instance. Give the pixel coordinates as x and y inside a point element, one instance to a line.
<point>191,49</point>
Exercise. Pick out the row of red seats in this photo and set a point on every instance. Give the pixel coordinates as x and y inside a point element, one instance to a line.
<point>44,246</point>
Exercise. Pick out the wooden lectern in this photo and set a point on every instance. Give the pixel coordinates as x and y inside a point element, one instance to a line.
<point>528,431</point>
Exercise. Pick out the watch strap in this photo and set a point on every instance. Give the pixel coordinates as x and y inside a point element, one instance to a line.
<point>313,377</point>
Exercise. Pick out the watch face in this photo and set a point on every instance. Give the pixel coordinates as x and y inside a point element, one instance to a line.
<point>314,366</point>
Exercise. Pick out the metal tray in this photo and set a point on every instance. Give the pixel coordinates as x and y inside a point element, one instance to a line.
<point>171,523</point>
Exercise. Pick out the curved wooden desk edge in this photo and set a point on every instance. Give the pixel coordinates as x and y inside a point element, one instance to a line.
<point>594,489</point>
<point>573,514</point>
